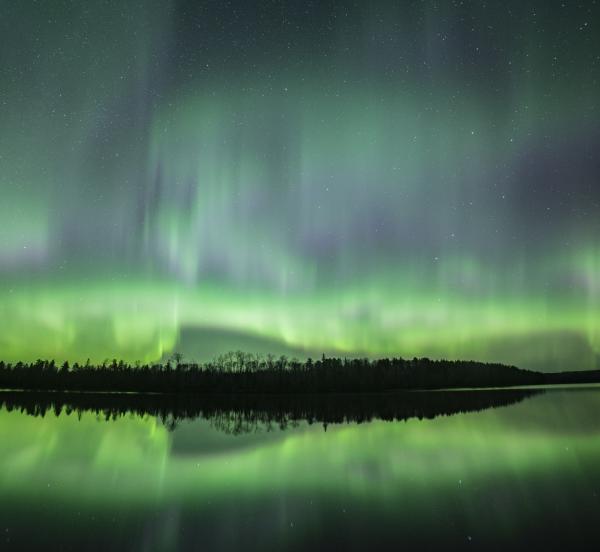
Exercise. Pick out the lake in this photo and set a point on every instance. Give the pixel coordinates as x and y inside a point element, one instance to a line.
<point>508,469</point>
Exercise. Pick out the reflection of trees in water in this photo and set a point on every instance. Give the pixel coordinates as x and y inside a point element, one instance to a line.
<point>237,414</point>
<point>234,422</point>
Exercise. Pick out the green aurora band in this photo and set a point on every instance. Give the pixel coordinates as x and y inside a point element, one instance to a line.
<point>386,197</point>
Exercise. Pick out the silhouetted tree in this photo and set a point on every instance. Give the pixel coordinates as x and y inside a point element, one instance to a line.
<point>244,373</point>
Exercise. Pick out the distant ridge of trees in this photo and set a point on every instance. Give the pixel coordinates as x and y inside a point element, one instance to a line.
<point>240,372</point>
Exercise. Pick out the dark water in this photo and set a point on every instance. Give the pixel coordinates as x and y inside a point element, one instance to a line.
<point>470,470</point>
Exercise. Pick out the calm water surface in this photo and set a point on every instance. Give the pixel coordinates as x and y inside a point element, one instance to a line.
<point>518,476</point>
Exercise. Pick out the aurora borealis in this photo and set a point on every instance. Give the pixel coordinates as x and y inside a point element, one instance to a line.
<point>413,178</point>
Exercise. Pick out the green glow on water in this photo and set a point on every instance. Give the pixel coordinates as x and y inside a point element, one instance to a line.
<point>138,460</point>
<point>522,465</point>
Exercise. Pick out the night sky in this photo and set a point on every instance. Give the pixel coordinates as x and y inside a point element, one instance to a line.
<point>409,178</point>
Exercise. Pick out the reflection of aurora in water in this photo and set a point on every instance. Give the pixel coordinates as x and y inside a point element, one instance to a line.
<point>533,462</point>
<point>401,182</point>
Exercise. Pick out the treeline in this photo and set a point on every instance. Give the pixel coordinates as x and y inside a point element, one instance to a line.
<point>244,413</point>
<point>246,373</point>
<point>567,378</point>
